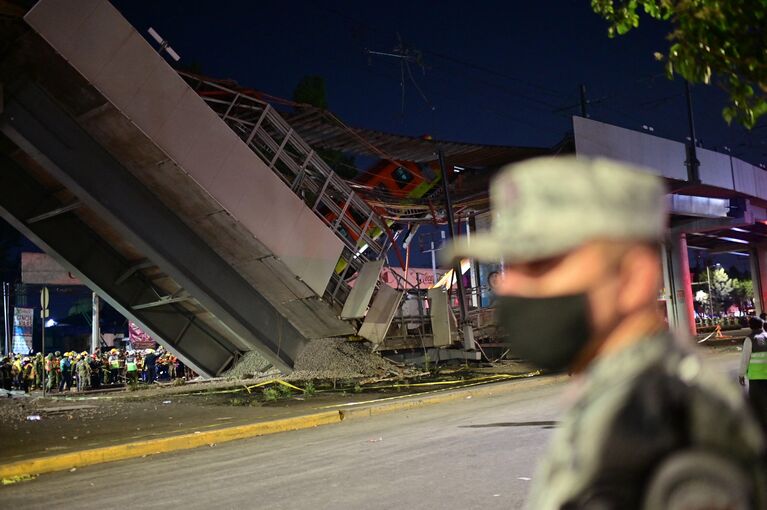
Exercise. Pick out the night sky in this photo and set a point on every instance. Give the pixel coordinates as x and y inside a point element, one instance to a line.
<point>498,73</point>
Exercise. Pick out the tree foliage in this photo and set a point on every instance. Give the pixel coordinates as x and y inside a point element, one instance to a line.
<point>311,91</point>
<point>721,41</point>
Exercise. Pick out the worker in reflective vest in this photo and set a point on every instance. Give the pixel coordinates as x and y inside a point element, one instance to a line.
<point>753,365</point>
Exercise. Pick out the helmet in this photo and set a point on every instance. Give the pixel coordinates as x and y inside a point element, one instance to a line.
<point>84,353</point>
<point>57,354</point>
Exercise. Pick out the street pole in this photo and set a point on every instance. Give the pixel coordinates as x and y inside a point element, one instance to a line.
<point>584,102</point>
<point>692,163</point>
<point>95,332</point>
<point>6,326</point>
<point>43,315</point>
<point>710,297</point>
<point>468,332</point>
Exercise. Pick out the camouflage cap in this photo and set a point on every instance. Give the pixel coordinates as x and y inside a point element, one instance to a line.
<point>547,206</point>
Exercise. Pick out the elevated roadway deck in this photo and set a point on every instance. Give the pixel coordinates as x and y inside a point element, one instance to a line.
<point>117,168</point>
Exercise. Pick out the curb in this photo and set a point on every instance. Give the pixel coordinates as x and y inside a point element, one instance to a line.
<point>68,461</point>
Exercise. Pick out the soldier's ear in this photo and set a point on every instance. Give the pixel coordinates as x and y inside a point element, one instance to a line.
<point>640,279</point>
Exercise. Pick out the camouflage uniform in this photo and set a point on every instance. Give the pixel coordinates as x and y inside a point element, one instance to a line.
<point>635,408</point>
<point>83,375</point>
<point>639,408</point>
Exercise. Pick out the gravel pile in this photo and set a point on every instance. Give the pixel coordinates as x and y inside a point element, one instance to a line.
<point>333,358</point>
<point>251,364</point>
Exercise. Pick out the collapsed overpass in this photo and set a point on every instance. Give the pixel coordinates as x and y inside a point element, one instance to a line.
<point>216,238</point>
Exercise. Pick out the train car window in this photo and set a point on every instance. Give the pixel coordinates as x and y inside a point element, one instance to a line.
<point>428,172</point>
<point>402,177</point>
<point>357,216</point>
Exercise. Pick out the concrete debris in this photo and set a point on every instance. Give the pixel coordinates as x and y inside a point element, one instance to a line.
<point>335,358</point>
<point>251,364</point>
<point>325,359</point>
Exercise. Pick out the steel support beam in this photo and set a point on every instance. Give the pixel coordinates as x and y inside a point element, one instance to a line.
<point>55,212</point>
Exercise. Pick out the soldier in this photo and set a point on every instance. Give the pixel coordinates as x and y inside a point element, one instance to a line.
<point>39,370</point>
<point>646,425</point>
<point>753,364</point>
<point>83,373</point>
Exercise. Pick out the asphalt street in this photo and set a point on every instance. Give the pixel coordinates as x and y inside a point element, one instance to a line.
<point>473,453</point>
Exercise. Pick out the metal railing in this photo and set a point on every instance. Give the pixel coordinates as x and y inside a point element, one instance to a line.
<point>264,130</point>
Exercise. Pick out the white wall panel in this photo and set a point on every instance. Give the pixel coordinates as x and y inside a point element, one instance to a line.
<point>310,253</point>
<point>715,169</point>
<point>126,71</point>
<point>760,179</point>
<point>594,138</point>
<point>743,173</point>
<point>58,23</point>
<point>91,45</point>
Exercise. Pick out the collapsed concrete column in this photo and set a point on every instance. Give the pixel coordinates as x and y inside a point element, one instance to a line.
<point>677,277</point>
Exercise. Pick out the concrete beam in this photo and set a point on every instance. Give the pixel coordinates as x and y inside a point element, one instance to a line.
<point>82,252</point>
<point>58,144</point>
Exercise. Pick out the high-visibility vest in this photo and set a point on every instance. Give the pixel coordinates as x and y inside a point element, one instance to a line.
<point>757,365</point>
<point>115,363</point>
<point>131,366</point>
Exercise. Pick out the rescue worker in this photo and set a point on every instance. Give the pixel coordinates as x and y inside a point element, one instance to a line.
<point>131,367</point>
<point>753,364</point>
<point>6,380</point>
<point>56,369</point>
<point>16,373</point>
<point>28,370</point>
<point>646,424</point>
<point>65,365</point>
<point>150,360</point>
<point>114,366</point>
<point>83,373</point>
<point>95,362</point>
<point>39,370</point>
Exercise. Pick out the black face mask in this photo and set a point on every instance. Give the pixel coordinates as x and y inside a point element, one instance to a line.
<point>549,332</point>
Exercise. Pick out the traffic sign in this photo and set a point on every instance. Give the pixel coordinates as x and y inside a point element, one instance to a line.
<point>44,298</point>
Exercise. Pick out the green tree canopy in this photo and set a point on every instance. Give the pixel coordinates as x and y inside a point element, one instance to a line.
<point>710,40</point>
<point>311,90</point>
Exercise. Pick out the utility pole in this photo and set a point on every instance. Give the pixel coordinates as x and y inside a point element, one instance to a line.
<point>468,332</point>
<point>95,332</point>
<point>710,296</point>
<point>584,102</point>
<point>44,313</point>
<point>6,317</point>
<point>692,163</point>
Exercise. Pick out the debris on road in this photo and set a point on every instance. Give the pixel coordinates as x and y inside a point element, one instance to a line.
<point>34,417</point>
<point>336,358</point>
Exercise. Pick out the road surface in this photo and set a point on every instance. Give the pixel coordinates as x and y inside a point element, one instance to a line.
<point>474,453</point>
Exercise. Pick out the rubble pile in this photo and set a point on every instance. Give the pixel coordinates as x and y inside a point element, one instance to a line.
<point>251,364</point>
<point>335,358</point>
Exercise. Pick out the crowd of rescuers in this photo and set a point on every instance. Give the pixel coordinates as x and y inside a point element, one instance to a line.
<point>82,371</point>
